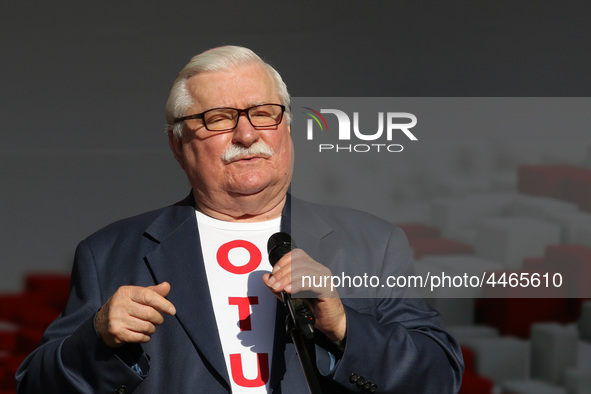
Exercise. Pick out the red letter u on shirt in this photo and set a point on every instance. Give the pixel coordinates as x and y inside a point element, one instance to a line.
<point>238,373</point>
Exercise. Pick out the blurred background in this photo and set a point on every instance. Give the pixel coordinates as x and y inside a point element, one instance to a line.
<point>82,145</point>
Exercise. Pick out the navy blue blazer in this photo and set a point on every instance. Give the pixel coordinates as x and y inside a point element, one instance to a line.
<point>396,343</point>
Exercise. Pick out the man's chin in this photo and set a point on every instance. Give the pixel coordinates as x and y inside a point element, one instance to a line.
<point>247,192</point>
<point>250,184</point>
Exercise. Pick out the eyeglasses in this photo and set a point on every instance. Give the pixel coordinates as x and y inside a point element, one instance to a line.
<point>225,119</point>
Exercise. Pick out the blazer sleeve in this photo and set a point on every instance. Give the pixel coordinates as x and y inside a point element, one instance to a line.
<point>397,343</point>
<point>72,358</point>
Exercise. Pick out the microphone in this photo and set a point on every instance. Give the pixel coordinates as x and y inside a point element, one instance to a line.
<point>280,244</point>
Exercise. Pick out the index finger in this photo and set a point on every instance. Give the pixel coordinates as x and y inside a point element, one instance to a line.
<point>285,260</point>
<point>147,296</point>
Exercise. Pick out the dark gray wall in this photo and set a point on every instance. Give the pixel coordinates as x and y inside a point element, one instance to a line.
<point>84,86</point>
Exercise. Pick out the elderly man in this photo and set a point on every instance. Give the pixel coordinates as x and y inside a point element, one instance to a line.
<point>183,299</point>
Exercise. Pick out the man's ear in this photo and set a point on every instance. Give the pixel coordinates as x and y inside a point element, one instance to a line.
<point>176,146</point>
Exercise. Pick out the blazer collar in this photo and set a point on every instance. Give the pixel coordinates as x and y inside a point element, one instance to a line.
<point>297,217</point>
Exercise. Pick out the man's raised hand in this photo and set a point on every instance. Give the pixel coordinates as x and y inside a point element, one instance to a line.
<point>132,314</point>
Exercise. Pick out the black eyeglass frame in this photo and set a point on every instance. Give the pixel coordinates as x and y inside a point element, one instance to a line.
<point>240,111</point>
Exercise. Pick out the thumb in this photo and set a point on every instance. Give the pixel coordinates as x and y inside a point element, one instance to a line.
<point>265,279</point>
<point>162,288</point>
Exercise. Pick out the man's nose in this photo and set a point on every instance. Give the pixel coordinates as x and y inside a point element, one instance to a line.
<point>244,133</point>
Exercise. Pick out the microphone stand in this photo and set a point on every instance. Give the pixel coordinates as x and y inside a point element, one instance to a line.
<point>298,338</point>
<point>299,321</point>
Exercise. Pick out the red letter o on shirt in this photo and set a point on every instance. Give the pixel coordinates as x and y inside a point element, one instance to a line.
<point>224,261</point>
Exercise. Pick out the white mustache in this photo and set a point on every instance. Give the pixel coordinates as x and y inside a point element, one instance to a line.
<point>235,151</point>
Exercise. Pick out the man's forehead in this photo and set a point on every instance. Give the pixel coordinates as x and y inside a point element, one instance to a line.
<point>248,84</point>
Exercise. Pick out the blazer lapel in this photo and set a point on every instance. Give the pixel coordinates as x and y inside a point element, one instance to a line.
<point>178,260</point>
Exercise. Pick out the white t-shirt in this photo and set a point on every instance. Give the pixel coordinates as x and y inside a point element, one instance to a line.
<point>235,256</point>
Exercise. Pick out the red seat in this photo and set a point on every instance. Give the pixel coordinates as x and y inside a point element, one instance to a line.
<point>515,316</point>
<point>550,180</point>
<point>574,263</point>
<point>8,337</point>
<point>8,366</point>
<point>53,287</point>
<point>473,383</point>
<point>437,246</point>
<point>468,355</point>
<point>419,230</point>
<point>12,303</point>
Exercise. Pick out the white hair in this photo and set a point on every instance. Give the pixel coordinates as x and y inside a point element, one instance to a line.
<point>216,59</point>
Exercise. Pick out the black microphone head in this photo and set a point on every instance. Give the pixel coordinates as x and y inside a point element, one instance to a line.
<point>279,244</point>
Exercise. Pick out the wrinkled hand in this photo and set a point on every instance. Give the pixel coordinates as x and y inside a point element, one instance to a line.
<point>326,305</point>
<point>132,314</point>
